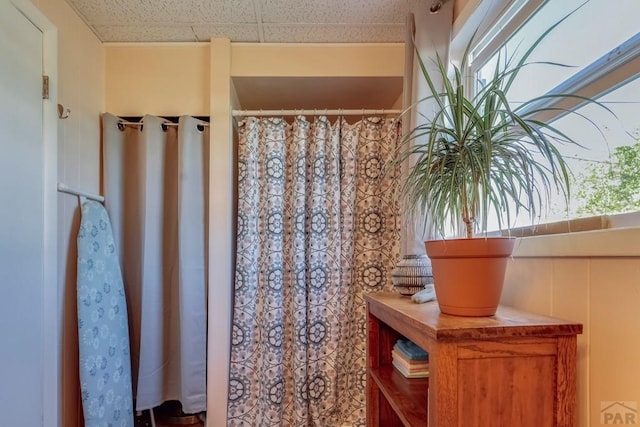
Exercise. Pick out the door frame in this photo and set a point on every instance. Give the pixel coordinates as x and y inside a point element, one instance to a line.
<point>52,312</point>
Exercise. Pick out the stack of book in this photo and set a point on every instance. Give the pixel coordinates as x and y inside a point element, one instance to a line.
<point>410,360</point>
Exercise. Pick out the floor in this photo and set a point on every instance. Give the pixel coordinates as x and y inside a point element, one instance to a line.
<point>144,420</point>
<point>198,424</point>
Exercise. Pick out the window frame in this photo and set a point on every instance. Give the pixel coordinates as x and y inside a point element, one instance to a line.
<point>612,70</point>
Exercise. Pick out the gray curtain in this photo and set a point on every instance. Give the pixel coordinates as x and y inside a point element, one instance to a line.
<point>317,228</point>
<point>155,186</point>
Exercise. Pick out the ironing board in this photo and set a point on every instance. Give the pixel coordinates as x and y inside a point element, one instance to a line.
<point>103,331</point>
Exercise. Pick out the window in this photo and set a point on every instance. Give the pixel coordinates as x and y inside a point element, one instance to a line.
<point>600,44</point>
<point>601,172</point>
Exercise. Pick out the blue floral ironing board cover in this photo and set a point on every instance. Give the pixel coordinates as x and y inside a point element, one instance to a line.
<point>103,331</point>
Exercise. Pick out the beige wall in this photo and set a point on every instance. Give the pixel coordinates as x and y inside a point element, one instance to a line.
<point>593,278</point>
<point>317,60</point>
<point>81,89</point>
<point>163,79</point>
<point>170,79</point>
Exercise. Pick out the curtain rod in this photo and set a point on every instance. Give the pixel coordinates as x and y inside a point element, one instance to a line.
<point>66,189</point>
<point>339,112</point>
<point>125,122</point>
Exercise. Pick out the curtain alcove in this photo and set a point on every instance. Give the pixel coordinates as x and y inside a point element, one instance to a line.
<point>156,192</point>
<point>318,226</point>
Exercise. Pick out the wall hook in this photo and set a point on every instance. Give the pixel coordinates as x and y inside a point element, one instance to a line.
<point>62,113</point>
<point>436,6</point>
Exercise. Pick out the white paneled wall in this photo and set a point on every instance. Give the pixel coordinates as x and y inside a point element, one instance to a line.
<point>81,89</point>
<point>603,293</point>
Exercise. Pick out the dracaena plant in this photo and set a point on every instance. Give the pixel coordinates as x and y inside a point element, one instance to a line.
<point>479,155</point>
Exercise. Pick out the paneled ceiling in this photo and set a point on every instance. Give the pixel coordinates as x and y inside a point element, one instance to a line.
<point>277,21</point>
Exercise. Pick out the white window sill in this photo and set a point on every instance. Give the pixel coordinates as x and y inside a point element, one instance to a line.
<point>611,242</point>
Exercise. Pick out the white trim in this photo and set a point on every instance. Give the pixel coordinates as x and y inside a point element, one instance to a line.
<point>207,43</point>
<point>511,19</point>
<point>221,245</point>
<point>318,112</point>
<point>138,45</point>
<point>476,17</point>
<point>615,68</point>
<point>587,82</point>
<point>63,188</point>
<point>618,242</point>
<point>51,311</point>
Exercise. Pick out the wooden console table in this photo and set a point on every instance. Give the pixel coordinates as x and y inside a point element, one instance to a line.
<point>514,369</point>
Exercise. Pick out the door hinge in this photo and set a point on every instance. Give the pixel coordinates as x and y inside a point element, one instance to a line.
<point>45,87</point>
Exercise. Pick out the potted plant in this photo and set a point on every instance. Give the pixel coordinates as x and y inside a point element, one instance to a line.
<point>478,156</point>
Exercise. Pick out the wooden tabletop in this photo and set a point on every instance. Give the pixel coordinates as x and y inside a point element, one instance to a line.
<point>507,322</point>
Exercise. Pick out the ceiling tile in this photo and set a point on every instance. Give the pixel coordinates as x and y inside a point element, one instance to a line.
<point>334,11</point>
<point>217,11</point>
<point>121,11</point>
<point>145,33</point>
<point>234,32</point>
<point>165,11</point>
<point>284,20</point>
<point>303,33</point>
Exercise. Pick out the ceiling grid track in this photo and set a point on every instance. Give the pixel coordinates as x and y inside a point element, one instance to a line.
<point>84,19</point>
<point>257,6</point>
<point>195,35</point>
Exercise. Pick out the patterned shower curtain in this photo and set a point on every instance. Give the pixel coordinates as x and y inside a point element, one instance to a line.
<point>318,227</point>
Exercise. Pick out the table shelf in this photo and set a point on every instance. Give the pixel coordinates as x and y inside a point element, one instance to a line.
<point>514,368</point>
<point>407,396</point>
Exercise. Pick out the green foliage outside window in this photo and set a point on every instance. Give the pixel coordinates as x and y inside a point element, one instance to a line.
<point>614,186</point>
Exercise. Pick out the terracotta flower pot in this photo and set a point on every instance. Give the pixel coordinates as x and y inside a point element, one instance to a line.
<point>468,273</point>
